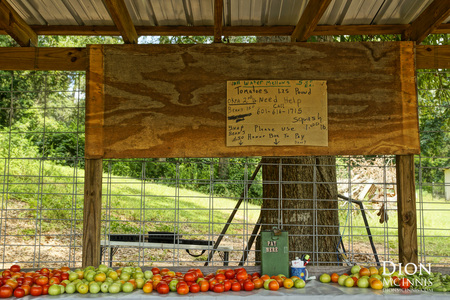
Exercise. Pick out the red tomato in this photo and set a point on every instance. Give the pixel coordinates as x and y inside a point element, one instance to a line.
<point>241,275</point>
<point>236,287</point>
<point>229,274</point>
<point>219,288</point>
<point>19,292</point>
<point>20,280</point>
<point>273,285</point>
<point>256,274</point>
<point>155,271</point>
<point>36,290</point>
<point>44,271</point>
<point>45,289</point>
<point>162,288</point>
<point>12,283</point>
<point>6,273</point>
<point>26,288</point>
<point>6,291</point>
<point>194,288</point>
<point>42,280</point>
<point>204,285</point>
<point>164,271</point>
<point>220,277</point>
<point>405,283</point>
<point>64,276</point>
<point>227,285</point>
<point>54,280</point>
<point>249,286</point>
<point>258,283</point>
<point>189,276</point>
<point>396,280</point>
<point>183,289</point>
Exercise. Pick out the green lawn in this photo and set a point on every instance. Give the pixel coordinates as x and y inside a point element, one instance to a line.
<point>198,213</point>
<point>434,239</point>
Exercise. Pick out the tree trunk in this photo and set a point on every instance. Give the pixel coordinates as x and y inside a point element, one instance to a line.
<point>300,194</point>
<point>304,203</point>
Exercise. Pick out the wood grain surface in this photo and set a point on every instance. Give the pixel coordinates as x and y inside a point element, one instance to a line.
<point>170,100</point>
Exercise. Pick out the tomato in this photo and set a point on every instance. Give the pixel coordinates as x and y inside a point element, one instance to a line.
<point>258,282</point>
<point>162,288</point>
<point>44,271</point>
<point>6,291</point>
<point>256,274</point>
<point>42,280</point>
<point>45,289</point>
<point>273,285</point>
<point>334,277</point>
<point>204,285</point>
<point>53,280</point>
<point>26,288</point>
<point>278,279</point>
<point>236,286</point>
<point>147,288</point>
<point>36,290</point>
<point>241,275</point>
<point>6,273</point>
<point>220,277</point>
<point>227,285</point>
<point>20,280</point>
<point>249,286</point>
<point>15,268</point>
<point>64,276</point>
<point>19,292</point>
<point>164,271</point>
<point>229,274</point>
<point>405,283</point>
<point>183,289</point>
<point>396,280</point>
<point>12,283</point>
<point>155,271</point>
<point>194,288</point>
<point>219,288</point>
<point>189,276</point>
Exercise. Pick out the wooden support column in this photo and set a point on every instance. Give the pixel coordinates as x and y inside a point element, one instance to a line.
<point>406,210</point>
<point>92,212</point>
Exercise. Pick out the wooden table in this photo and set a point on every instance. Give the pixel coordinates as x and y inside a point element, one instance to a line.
<point>115,245</point>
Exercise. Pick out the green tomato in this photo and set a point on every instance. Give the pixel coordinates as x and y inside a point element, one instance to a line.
<point>71,288</point>
<point>127,287</point>
<point>94,288</point>
<point>299,283</point>
<point>54,290</point>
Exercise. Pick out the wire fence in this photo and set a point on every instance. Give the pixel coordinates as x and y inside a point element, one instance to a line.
<point>206,211</point>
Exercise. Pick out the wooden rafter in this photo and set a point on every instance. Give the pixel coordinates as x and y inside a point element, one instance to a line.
<point>15,26</point>
<point>227,30</point>
<point>218,21</point>
<point>122,19</point>
<point>427,21</point>
<point>309,20</point>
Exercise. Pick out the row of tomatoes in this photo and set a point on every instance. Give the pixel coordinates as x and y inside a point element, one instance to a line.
<point>18,283</point>
<point>194,281</point>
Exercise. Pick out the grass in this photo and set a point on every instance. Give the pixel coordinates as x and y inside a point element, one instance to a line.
<point>199,214</point>
<point>434,239</point>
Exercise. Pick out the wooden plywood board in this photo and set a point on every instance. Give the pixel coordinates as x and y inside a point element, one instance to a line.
<point>170,100</point>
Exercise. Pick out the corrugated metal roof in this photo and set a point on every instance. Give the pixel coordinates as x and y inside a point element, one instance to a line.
<point>201,12</point>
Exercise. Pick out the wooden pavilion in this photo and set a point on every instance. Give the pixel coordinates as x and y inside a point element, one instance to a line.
<point>414,20</point>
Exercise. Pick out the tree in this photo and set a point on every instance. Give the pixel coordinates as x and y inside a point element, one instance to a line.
<point>300,193</point>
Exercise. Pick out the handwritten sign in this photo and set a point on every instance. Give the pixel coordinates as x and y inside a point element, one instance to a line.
<point>277,113</point>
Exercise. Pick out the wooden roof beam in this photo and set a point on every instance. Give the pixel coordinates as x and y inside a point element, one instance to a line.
<point>121,17</point>
<point>15,26</point>
<point>218,21</point>
<point>427,21</point>
<point>309,19</point>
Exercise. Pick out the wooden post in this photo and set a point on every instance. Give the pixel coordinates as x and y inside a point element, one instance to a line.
<point>406,210</point>
<point>92,212</point>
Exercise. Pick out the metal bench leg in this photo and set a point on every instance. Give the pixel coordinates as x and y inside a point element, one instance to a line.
<point>226,258</point>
